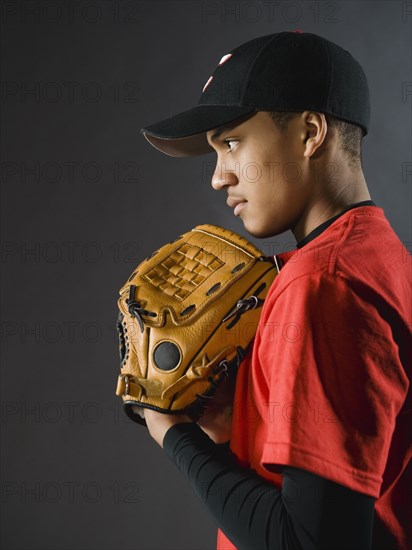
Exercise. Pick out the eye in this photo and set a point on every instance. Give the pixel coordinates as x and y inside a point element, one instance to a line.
<point>230,143</point>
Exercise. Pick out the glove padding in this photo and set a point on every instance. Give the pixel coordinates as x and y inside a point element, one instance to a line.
<point>187,316</point>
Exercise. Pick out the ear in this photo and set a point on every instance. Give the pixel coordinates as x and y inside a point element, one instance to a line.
<point>315,130</point>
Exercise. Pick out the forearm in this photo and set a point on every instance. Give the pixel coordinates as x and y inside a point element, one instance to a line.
<point>227,491</point>
<point>255,514</point>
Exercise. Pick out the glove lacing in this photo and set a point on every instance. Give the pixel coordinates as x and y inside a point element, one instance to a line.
<point>244,305</point>
<point>135,309</point>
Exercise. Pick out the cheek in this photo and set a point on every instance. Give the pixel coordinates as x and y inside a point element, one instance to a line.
<point>252,174</point>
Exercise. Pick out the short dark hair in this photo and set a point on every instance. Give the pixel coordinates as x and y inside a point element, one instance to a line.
<point>349,135</point>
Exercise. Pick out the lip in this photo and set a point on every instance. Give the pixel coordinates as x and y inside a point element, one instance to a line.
<point>236,204</point>
<point>239,207</point>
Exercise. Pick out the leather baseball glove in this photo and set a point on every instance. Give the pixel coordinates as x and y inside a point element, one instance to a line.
<point>187,316</point>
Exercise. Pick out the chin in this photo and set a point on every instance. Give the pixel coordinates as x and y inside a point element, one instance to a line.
<point>262,232</point>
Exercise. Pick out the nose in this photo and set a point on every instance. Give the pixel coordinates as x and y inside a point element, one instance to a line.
<point>223,176</point>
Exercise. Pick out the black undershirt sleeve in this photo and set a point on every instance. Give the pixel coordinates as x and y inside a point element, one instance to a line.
<point>307,513</point>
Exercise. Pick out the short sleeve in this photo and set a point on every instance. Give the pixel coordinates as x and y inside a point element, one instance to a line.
<point>336,383</point>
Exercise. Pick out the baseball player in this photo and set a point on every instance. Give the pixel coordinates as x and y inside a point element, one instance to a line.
<point>320,423</point>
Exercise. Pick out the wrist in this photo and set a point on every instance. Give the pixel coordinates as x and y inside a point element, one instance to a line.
<point>158,423</point>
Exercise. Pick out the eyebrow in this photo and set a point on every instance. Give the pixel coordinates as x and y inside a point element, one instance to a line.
<point>230,126</point>
<point>222,129</point>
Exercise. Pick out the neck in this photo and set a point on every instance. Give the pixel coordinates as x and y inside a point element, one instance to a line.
<point>332,198</point>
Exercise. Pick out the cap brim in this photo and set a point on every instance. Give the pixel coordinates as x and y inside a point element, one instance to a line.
<point>184,135</point>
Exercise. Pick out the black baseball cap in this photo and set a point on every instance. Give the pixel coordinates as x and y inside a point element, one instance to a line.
<point>286,71</point>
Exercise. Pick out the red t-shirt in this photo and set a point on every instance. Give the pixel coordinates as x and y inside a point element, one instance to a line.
<point>325,386</point>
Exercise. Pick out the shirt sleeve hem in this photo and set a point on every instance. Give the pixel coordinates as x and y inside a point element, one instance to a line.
<point>352,478</point>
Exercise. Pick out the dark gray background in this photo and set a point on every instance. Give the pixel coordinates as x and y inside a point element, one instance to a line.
<point>85,198</point>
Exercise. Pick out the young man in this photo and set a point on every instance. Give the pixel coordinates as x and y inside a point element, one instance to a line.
<point>320,441</point>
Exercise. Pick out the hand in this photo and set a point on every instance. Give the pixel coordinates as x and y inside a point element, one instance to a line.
<point>216,421</point>
<point>158,423</point>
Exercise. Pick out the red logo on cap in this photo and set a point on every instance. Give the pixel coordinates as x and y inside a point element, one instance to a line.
<point>207,83</point>
<point>223,60</point>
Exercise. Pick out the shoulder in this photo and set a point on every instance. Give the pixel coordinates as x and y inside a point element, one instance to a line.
<point>359,253</point>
